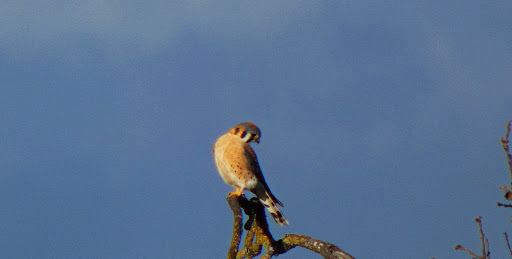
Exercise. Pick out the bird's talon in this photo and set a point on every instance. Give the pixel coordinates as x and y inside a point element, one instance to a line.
<point>234,193</point>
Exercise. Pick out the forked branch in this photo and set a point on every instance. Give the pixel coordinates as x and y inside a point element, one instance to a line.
<point>485,243</point>
<point>505,145</point>
<point>258,235</point>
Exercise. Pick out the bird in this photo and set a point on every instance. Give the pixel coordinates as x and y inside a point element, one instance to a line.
<point>238,166</point>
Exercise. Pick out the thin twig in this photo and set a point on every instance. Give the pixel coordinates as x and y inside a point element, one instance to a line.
<point>486,254</point>
<point>508,193</point>
<point>505,145</point>
<point>504,205</point>
<point>508,243</point>
<point>485,242</point>
<point>460,247</point>
<point>482,236</point>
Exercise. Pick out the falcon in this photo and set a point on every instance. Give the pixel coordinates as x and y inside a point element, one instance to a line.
<point>238,166</point>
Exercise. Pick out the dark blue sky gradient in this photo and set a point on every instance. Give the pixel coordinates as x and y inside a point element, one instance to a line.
<point>380,124</point>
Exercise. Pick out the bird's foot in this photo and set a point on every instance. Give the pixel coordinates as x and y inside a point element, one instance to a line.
<point>237,192</point>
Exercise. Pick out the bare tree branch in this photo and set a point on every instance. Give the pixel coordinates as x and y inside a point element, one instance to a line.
<point>485,242</point>
<point>460,247</point>
<point>505,144</point>
<point>508,193</point>
<point>258,235</point>
<point>234,204</point>
<point>508,243</point>
<point>503,205</point>
<point>486,254</point>
<point>325,249</point>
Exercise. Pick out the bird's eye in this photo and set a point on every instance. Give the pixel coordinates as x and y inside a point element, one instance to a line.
<point>251,137</point>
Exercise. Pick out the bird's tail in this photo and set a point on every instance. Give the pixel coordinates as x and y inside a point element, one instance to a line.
<point>274,211</point>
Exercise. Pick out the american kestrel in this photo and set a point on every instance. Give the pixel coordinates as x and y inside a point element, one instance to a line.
<point>238,166</point>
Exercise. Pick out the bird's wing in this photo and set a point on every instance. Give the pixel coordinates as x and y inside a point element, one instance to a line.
<point>255,167</point>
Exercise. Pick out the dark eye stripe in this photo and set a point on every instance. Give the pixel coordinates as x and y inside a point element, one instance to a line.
<point>251,137</point>
<point>243,134</point>
<point>237,130</point>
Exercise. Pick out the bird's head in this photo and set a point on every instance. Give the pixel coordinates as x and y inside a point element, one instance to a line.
<point>247,131</point>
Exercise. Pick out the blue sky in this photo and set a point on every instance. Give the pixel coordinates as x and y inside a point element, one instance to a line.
<point>380,123</point>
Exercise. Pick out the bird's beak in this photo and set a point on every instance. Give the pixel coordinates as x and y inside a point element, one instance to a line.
<point>257,141</point>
